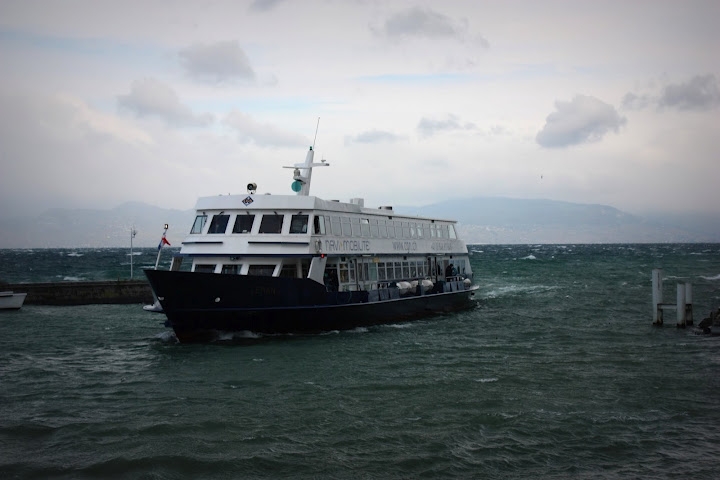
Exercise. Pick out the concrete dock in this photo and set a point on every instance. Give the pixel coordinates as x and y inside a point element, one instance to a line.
<point>85,293</point>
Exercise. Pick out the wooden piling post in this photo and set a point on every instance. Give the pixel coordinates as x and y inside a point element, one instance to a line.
<point>680,305</point>
<point>688,304</point>
<point>657,296</point>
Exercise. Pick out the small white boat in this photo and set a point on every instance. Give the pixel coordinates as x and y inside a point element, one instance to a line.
<point>11,300</point>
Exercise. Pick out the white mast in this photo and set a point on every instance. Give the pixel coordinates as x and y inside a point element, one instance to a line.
<point>303,171</point>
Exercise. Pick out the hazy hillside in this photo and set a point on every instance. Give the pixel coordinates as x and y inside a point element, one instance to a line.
<point>509,220</point>
<point>96,228</point>
<point>481,220</point>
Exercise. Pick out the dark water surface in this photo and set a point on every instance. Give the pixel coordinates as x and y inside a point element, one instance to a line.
<point>558,373</point>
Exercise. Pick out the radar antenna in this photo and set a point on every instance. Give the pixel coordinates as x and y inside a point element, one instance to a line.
<point>316,132</point>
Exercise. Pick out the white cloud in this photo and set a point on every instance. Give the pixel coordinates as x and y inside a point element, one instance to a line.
<point>428,127</point>
<point>150,97</point>
<point>383,76</point>
<point>701,92</point>
<point>420,22</point>
<point>373,136</point>
<point>264,5</point>
<point>583,119</point>
<point>217,62</point>
<point>263,135</point>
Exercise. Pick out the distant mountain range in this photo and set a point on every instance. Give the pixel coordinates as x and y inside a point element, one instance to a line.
<point>67,228</point>
<point>507,220</point>
<point>481,220</point>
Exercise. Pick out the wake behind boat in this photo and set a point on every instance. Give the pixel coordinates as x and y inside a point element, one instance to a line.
<point>301,264</point>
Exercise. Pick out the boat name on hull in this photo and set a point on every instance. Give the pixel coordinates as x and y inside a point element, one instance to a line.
<point>441,246</point>
<point>347,245</point>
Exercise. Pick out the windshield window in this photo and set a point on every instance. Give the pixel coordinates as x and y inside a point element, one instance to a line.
<point>299,224</point>
<point>243,224</point>
<point>271,224</point>
<point>218,223</point>
<point>199,224</point>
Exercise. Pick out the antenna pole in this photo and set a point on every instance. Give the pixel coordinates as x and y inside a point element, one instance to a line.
<point>316,131</point>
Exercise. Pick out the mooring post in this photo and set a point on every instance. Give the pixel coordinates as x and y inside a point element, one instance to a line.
<point>657,296</point>
<point>680,305</point>
<point>688,304</point>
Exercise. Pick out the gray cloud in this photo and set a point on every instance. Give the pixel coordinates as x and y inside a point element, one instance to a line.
<point>428,127</point>
<point>702,92</point>
<point>264,5</point>
<point>583,119</point>
<point>424,22</point>
<point>633,101</point>
<point>699,93</point>
<point>262,135</point>
<point>417,21</point>
<point>217,62</point>
<point>149,97</point>
<point>373,136</point>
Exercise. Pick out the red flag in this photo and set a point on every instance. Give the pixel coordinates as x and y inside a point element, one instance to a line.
<point>163,241</point>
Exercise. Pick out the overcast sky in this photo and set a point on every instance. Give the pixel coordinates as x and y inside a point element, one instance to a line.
<point>612,102</point>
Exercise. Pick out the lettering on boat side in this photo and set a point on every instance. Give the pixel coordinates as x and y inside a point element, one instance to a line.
<point>405,246</point>
<point>261,291</point>
<point>347,245</point>
<point>441,246</point>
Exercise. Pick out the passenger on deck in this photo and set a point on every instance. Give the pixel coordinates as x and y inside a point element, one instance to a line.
<point>450,271</point>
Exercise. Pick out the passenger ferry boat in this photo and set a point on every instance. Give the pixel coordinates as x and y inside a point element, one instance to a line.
<point>284,264</point>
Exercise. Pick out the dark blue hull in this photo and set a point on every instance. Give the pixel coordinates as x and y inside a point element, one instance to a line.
<point>199,305</point>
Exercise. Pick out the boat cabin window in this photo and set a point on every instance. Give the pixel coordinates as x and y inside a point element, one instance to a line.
<point>374,228</point>
<point>243,224</point>
<point>271,224</point>
<point>261,270</point>
<point>199,224</point>
<point>204,268</point>
<point>299,224</point>
<point>335,222</point>
<point>232,269</point>
<point>330,277</point>
<point>355,222</point>
<point>365,227</point>
<point>319,225</point>
<point>347,272</point>
<point>382,229</point>
<point>218,224</point>
<point>452,232</point>
<point>289,271</point>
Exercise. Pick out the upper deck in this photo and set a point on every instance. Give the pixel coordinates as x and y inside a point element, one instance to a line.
<point>296,225</point>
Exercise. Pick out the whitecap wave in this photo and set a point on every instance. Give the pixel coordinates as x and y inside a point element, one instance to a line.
<point>486,380</point>
<point>399,325</point>
<point>167,336</point>
<point>716,277</point>
<point>241,334</point>
<point>529,257</point>
<point>71,279</point>
<point>331,332</point>
<point>358,330</point>
<point>519,289</point>
<point>75,254</point>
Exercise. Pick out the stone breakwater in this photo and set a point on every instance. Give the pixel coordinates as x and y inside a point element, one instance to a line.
<point>84,293</point>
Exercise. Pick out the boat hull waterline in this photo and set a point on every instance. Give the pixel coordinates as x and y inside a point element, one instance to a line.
<point>198,306</point>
